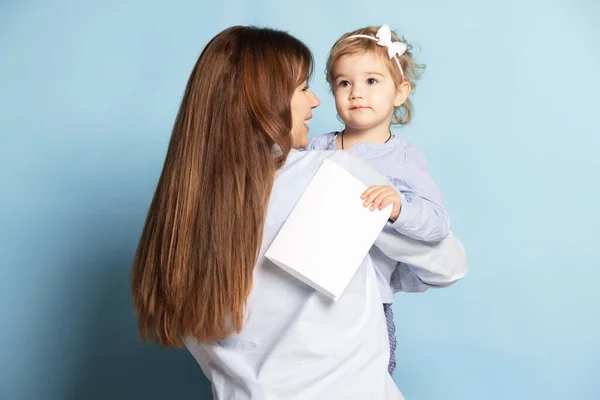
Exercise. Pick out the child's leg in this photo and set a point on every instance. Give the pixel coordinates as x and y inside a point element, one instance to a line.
<point>389,319</point>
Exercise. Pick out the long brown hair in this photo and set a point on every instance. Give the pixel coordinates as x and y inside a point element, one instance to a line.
<point>192,272</point>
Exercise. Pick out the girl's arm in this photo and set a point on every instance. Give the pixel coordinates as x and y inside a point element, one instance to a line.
<point>420,265</point>
<point>423,215</point>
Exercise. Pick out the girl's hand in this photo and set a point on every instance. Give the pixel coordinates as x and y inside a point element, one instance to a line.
<point>381,196</point>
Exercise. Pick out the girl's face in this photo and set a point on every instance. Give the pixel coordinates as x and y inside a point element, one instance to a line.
<point>303,101</point>
<point>365,92</point>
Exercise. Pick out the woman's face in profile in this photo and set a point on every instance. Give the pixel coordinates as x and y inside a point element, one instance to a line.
<point>303,101</point>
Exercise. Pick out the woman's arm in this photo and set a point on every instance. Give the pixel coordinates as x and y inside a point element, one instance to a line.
<point>422,265</point>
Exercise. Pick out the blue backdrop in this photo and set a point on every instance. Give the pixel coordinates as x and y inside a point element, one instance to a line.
<point>505,113</point>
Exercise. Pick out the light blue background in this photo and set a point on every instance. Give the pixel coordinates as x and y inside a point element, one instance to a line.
<point>506,114</point>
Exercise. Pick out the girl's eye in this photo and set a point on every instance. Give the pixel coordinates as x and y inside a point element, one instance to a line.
<point>344,84</point>
<point>371,81</point>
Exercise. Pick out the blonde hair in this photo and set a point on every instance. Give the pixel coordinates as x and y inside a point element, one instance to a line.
<point>412,71</point>
<point>193,268</point>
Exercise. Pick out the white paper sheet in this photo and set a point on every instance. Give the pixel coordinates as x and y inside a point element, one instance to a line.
<point>329,232</point>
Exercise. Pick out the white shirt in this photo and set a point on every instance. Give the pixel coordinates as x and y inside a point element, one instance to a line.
<point>296,343</point>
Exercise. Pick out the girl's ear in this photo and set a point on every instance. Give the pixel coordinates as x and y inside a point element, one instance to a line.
<point>402,92</point>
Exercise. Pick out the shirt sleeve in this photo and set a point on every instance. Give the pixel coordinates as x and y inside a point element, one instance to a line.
<point>423,215</point>
<point>422,265</point>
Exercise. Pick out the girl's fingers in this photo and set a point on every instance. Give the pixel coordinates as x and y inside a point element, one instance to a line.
<point>372,196</point>
<point>377,202</point>
<point>386,201</point>
<point>368,191</point>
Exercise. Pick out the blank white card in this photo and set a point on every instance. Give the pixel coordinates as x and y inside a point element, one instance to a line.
<point>329,232</point>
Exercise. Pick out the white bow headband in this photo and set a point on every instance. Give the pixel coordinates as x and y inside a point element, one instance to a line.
<point>384,38</point>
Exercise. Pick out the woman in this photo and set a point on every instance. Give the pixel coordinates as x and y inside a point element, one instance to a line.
<point>230,179</point>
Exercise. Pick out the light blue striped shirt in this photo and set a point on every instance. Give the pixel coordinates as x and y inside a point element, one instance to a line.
<point>423,216</point>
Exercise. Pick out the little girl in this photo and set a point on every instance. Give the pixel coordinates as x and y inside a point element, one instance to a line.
<point>371,73</point>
